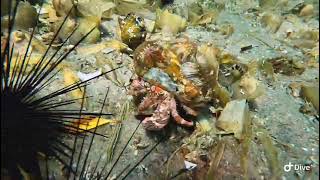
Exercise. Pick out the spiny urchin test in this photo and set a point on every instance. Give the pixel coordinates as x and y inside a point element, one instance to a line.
<point>33,122</point>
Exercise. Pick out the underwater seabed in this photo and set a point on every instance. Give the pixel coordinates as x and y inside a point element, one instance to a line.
<point>201,89</point>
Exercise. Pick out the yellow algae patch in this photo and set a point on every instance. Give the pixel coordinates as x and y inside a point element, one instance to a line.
<point>87,124</point>
<point>95,48</point>
<point>70,78</point>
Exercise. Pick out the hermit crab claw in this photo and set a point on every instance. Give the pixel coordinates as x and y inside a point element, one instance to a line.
<point>162,114</point>
<point>137,87</point>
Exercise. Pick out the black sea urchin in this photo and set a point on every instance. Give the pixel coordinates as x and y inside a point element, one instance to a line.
<point>30,123</point>
<point>33,123</point>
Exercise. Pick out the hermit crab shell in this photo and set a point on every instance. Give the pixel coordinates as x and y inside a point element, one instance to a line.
<point>174,67</point>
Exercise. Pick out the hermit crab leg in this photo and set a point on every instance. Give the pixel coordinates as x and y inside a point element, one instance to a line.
<point>152,123</point>
<point>159,118</point>
<point>147,102</point>
<point>176,116</point>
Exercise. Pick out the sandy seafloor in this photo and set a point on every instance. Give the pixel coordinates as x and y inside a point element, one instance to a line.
<point>294,135</point>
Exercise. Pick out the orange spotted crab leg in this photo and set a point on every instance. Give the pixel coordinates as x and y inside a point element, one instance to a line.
<point>147,102</point>
<point>152,99</point>
<point>160,117</point>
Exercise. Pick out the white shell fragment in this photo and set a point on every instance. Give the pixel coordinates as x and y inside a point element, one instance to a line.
<point>189,165</point>
<point>85,77</point>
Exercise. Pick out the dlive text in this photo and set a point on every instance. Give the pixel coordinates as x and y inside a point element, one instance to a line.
<point>296,167</point>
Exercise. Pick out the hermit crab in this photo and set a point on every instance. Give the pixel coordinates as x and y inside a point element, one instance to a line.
<point>162,101</point>
<point>174,76</point>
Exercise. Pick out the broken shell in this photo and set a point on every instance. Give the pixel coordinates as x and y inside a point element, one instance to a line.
<point>309,34</point>
<point>204,18</point>
<point>288,67</point>
<point>21,41</point>
<point>211,55</point>
<point>104,46</point>
<point>86,77</point>
<point>195,8</point>
<point>66,29</point>
<point>227,29</point>
<point>271,21</point>
<point>222,94</point>
<point>309,109</point>
<point>86,24</point>
<point>226,58</point>
<point>5,7</point>
<point>49,13</point>
<point>247,88</point>
<point>62,7</point>
<point>124,7</point>
<point>307,10</point>
<point>311,94</point>
<point>306,38</point>
<point>192,13</point>
<point>170,23</point>
<point>26,17</point>
<point>233,117</point>
<point>249,84</point>
<point>295,89</point>
<point>207,59</point>
<point>150,24</point>
<point>70,78</point>
<point>96,8</point>
<point>267,69</point>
